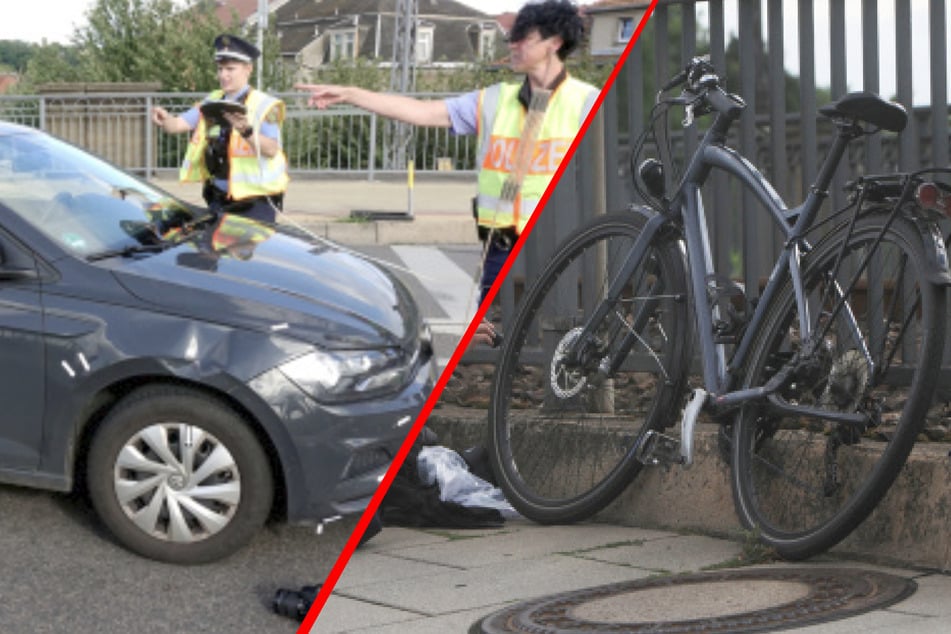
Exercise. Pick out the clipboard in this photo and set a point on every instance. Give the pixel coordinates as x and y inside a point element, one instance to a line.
<point>214,111</point>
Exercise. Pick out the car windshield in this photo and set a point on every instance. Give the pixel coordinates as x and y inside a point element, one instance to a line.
<point>83,203</point>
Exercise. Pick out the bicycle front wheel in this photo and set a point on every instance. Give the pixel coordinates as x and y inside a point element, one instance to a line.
<point>570,405</point>
<point>805,478</point>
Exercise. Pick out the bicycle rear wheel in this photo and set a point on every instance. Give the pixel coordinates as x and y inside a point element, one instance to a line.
<point>803,481</point>
<point>562,433</point>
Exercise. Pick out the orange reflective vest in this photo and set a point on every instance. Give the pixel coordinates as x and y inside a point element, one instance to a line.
<point>250,174</point>
<point>501,119</point>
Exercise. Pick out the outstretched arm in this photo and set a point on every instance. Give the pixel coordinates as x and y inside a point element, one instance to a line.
<point>431,113</point>
<point>169,123</point>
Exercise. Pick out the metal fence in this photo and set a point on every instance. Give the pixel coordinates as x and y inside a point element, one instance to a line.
<point>117,127</point>
<point>786,144</point>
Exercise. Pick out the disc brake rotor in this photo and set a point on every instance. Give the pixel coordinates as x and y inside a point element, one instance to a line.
<point>566,381</point>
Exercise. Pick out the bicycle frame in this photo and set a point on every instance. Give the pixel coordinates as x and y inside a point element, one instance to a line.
<point>686,206</point>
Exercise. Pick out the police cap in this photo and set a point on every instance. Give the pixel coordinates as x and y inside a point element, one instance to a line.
<point>233,47</point>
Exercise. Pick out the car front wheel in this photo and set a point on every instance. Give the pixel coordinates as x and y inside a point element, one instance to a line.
<point>178,476</point>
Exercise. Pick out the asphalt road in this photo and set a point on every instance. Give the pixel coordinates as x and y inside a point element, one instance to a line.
<point>63,573</point>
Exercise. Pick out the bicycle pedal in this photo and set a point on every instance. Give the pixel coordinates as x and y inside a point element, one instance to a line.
<point>658,449</point>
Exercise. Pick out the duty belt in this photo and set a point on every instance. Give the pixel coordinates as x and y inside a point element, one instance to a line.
<point>503,238</point>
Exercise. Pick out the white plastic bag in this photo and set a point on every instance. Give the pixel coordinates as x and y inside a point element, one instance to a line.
<point>449,471</point>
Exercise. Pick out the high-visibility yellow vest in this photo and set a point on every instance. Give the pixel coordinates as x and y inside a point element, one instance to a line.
<point>501,119</point>
<point>250,174</point>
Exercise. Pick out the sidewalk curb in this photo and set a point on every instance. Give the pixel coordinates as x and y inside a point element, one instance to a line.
<point>908,528</point>
<point>428,230</point>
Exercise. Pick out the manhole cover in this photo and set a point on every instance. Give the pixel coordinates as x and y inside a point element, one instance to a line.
<point>745,600</point>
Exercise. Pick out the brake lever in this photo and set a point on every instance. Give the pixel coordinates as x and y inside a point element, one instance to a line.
<point>688,114</point>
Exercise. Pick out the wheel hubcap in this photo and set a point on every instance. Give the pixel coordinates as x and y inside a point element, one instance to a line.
<point>177,482</point>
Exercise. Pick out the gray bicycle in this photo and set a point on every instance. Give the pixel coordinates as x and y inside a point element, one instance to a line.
<point>820,378</point>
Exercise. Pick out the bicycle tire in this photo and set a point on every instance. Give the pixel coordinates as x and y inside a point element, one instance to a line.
<point>561,444</point>
<point>804,484</point>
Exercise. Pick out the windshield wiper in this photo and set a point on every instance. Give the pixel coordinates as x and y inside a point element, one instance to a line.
<point>128,251</point>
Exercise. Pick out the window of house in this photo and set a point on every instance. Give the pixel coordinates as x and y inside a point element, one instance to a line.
<point>487,44</point>
<point>343,45</point>
<point>424,45</point>
<point>625,29</point>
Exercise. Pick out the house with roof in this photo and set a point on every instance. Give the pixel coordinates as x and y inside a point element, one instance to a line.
<point>612,24</point>
<point>449,34</point>
<point>245,11</point>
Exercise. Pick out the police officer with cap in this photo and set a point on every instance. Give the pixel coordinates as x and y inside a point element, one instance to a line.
<point>236,152</point>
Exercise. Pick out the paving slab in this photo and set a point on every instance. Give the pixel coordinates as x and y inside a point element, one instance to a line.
<point>879,622</point>
<point>429,581</point>
<point>933,598</point>
<point>671,553</point>
<point>342,614</point>
<point>394,538</point>
<point>374,568</point>
<point>491,585</point>
<point>522,540</point>
<point>407,623</point>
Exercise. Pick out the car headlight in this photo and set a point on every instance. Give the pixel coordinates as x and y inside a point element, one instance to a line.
<point>347,374</point>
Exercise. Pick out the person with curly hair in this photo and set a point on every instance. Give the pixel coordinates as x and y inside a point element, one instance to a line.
<point>524,128</point>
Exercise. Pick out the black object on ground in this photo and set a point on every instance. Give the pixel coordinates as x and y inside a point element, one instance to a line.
<point>293,603</point>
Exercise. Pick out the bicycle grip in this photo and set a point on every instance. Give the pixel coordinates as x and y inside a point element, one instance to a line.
<point>675,81</point>
<point>728,105</point>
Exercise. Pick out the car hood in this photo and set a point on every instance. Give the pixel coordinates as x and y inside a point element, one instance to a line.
<point>255,276</point>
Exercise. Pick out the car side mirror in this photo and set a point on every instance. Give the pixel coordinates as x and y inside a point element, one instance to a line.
<point>10,271</point>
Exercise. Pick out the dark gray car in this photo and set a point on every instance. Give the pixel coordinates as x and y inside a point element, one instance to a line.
<point>198,373</point>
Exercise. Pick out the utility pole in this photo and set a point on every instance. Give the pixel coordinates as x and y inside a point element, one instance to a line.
<point>262,27</point>
<point>398,136</point>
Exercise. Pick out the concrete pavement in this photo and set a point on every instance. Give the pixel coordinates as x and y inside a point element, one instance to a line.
<point>421,581</point>
<point>446,581</point>
<point>440,205</point>
<point>668,523</point>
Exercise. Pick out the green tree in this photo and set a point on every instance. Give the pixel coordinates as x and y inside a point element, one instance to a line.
<point>160,41</point>
<point>14,54</point>
<point>149,40</point>
<point>50,63</point>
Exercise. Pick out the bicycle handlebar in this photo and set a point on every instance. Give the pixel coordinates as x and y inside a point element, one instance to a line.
<point>703,84</point>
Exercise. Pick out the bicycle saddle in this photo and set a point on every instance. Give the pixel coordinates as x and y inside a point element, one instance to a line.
<point>870,108</point>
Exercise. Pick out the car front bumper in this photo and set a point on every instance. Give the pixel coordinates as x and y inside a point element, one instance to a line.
<point>333,457</point>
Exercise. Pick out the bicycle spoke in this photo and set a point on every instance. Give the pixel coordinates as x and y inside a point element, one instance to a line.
<point>574,393</point>
<point>819,463</point>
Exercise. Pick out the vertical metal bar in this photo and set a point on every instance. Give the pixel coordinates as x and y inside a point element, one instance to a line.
<point>939,101</point>
<point>807,95</point>
<point>839,82</point>
<point>873,160</point>
<point>636,84</point>
<point>149,138</point>
<point>661,46</point>
<point>371,172</point>
<point>749,12</point>
<point>870,80</point>
<point>908,159</point>
<point>777,108</point>
<point>607,125</point>
<point>688,47</point>
<point>721,230</point>
<point>939,83</point>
